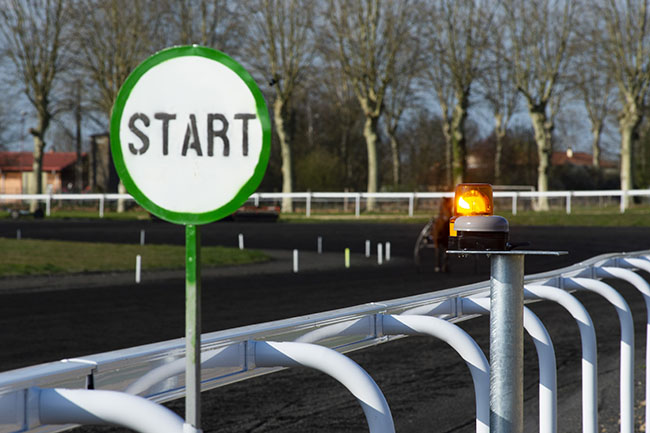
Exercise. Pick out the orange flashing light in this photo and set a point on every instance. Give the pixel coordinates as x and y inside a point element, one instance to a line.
<point>471,199</point>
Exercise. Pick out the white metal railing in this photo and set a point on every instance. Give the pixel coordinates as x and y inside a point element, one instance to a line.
<point>411,198</point>
<point>354,200</point>
<point>155,372</point>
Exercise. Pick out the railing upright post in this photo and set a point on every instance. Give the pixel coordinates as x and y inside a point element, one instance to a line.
<point>357,205</point>
<point>514,203</point>
<point>588,343</point>
<point>101,206</point>
<point>308,205</point>
<point>83,406</point>
<point>411,204</point>
<point>626,384</point>
<point>336,365</point>
<point>568,203</point>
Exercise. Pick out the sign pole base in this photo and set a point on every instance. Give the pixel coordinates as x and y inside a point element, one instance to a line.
<point>193,326</point>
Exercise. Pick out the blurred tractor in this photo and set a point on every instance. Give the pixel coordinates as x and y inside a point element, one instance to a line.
<point>435,235</point>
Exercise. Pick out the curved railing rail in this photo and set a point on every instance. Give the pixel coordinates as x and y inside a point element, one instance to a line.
<point>154,371</point>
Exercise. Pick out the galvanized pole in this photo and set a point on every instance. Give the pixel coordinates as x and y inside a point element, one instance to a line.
<point>507,343</point>
<point>193,325</point>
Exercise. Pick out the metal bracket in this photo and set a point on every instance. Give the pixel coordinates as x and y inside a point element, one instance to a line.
<point>508,252</point>
<point>250,355</point>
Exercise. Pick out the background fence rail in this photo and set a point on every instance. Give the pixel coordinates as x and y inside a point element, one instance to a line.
<point>354,202</point>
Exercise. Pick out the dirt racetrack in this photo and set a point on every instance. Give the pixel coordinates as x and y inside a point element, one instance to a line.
<point>426,384</point>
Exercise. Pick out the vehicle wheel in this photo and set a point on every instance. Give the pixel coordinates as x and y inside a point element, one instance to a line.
<point>420,243</point>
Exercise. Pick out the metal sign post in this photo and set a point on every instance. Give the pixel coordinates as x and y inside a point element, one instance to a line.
<point>507,336</point>
<point>193,325</point>
<point>190,138</point>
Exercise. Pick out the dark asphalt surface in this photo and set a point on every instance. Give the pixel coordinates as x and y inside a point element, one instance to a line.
<point>426,384</point>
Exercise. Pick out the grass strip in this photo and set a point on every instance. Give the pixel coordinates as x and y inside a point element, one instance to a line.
<point>595,217</point>
<point>609,216</point>
<point>589,217</point>
<point>39,257</point>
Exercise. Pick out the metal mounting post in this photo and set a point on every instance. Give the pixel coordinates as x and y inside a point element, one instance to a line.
<point>506,337</point>
<point>507,343</point>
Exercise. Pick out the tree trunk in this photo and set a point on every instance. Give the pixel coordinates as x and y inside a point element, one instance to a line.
<point>596,130</point>
<point>458,140</point>
<point>394,150</point>
<point>628,125</point>
<point>345,157</point>
<point>446,132</point>
<point>78,166</point>
<point>121,189</point>
<point>499,135</point>
<point>36,185</point>
<point>542,128</point>
<point>370,134</point>
<point>285,149</point>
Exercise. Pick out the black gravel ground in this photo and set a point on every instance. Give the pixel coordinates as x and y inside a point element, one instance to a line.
<point>426,384</point>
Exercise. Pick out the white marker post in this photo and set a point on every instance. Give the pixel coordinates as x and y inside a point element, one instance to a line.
<point>295,261</point>
<point>241,241</point>
<point>142,237</point>
<point>190,139</point>
<point>138,268</point>
<point>18,234</point>
<point>319,245</point>
<point>380,255</point>
<point>367,249</point>
<point>387,251</point>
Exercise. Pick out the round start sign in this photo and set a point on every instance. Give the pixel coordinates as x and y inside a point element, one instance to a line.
<point>190,135</point>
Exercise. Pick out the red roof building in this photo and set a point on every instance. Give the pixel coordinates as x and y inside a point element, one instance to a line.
<point>16,171</point>
<point>579,158</point>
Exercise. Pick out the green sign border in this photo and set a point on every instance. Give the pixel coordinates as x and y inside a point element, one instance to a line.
<point>116,147</point>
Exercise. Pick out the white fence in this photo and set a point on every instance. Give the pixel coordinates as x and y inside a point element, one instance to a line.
<point>354,202</point>
<point>121,387</point>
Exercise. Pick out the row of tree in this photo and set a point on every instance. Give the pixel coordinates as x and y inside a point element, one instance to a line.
<point>352,84</point>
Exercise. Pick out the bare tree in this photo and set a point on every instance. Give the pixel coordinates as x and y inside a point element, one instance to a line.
<point>211,23</point>
<point>400,96</point>
<point>539,33</point>
<point>498,91</point>
<point>283,44</point>
<point>345,116</point>
<point>596,91</point>
<point>440,78</point>
<point>34,34</point>
<point>625,44</point>
<point>592,82</point>
<point>458,34</point>
<point>112,37</point>
<point>368,35</point>
<point>9,117</point>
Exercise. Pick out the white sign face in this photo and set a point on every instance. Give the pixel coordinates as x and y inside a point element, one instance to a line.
<point>192,135</point>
